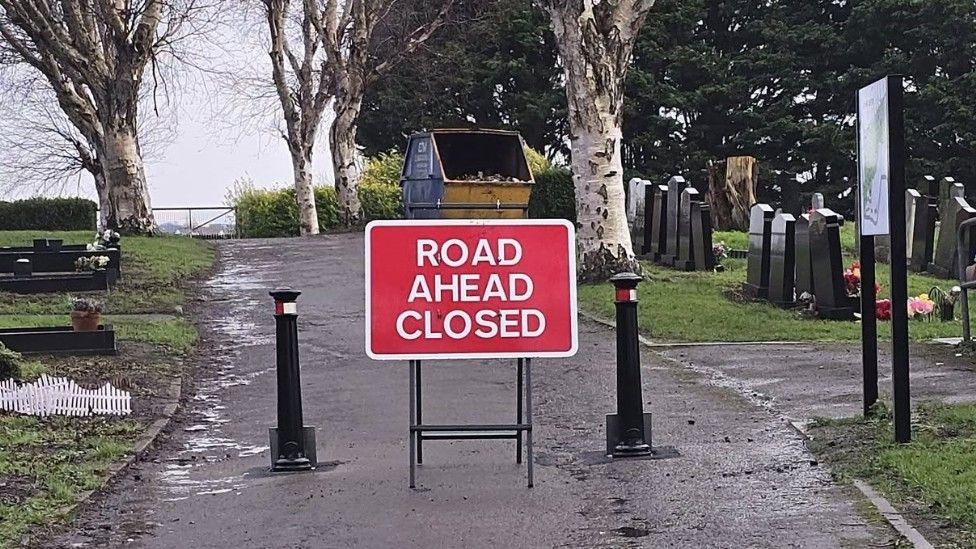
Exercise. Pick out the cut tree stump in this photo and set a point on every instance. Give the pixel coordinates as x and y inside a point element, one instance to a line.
<point>732,191</point>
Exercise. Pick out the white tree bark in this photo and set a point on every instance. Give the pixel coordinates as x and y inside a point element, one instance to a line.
<point>342,139</point>
<point>129,209</point>
<point>308,217</point>
<point>595,40</point>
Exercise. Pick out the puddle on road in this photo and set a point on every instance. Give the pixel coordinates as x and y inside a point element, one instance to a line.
<point>239,287</point>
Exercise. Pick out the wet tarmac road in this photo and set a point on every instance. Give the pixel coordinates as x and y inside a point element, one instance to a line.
<point>743,476</point>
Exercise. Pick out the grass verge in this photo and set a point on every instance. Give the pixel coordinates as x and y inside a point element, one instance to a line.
<point>700,306</point>
<point>47,462</point>
<point>933,478</point>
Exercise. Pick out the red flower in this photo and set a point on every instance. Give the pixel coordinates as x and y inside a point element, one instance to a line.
<point>882,309</point>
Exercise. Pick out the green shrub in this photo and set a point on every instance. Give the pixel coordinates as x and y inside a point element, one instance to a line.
<point>382,169</point>
<point>9,363</point>
<point>266,213</point>
<point>381,201</point>
<point>48,214</point>
<point>553,196</point>
<point>538,163</point>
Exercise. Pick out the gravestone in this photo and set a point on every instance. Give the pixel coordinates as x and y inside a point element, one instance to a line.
<point>913,203</point>
<point>960,210</point>
<point>945,252</point>
<point>923,226</point>
<point>701,236</point>
<point>782,260</point>
<point>757,268</point>
<point>646,246</point>
<point>828,267</point>
<point>635,212</point>
<point>686,258</point>
<point>659,229</point>
<point>804,269</point>
<point>816,201</point>
<point>675,185</point>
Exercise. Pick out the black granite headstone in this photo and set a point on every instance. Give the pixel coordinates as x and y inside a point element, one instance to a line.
<point>923,227</point>
<point>675,185</point>
<point>701,236</point>
<point>686,260</point>
<point>804,268</point>
<point>782,260</point>
<point>757,268</point>
<point>828,267</point>
<point>944,261</point>
<point>659,228</point>
<point>649,220</point>
<point>635,212</point>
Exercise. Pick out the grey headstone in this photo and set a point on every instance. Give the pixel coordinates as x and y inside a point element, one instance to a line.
<point>816,201</point>
<point>701,236</point>
<point>635,212</point>
<point>675,185</point>
<point>782,261</point>
<point>828,267</point>
<point>923,226</point>
<point>804,269</point>
<point>686,259</point>
<point>943,264</point>
<point>659,228</point>
<point>757,268</point>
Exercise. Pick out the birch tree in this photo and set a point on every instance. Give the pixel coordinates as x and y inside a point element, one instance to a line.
<point>346,30</point>
<point>303,89</point>
<point>94,55</point>
<point>595,39</point>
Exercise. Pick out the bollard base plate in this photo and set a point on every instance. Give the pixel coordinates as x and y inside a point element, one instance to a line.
<point>614,439</point>
<point>304,459</point>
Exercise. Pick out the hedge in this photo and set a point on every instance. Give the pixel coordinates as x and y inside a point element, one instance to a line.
<point>270,213</point>
<point>553,196</point>
<point>48,214</point>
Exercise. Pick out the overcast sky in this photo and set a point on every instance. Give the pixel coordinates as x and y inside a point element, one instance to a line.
<point>215,134</point>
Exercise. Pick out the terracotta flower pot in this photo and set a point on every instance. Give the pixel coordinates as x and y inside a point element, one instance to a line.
<point>84,321</point>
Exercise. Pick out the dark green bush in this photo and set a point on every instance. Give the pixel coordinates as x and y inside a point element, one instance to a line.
<point>381,201</point>
<point>553,196</point>
<point>48,214</point>
<point>9,363</point>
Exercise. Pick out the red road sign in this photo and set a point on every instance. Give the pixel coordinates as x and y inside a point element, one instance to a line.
<point>470,289</point>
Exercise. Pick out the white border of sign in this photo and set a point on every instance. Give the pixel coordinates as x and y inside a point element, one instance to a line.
<point>574,327</point>
<point>874,134</point>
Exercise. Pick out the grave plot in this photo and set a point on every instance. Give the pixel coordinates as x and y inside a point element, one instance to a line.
<point>26,282</point>
<point>49,266</point>
<point>671,224</point>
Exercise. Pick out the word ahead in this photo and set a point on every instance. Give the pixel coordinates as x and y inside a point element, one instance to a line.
<point>470,289</point>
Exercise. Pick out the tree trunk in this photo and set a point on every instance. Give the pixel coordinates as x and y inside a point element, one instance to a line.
<point>594,91</point>
<point>308,219</point>
<point>345,167</point>
<point>732,192</point>
<point>128,206</point>
<point>103,203</point>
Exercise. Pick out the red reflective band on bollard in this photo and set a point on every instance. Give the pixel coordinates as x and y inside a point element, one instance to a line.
<point>626,294</point>
<point>282,308</point>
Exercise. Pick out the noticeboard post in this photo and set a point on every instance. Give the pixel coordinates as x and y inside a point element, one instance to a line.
<point>470,289</point>
<point>881,203</point>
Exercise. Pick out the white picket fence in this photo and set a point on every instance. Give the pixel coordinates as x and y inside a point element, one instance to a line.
<point>62,396</point>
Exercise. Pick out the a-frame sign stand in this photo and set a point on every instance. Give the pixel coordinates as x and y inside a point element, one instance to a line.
<point>419,431</point>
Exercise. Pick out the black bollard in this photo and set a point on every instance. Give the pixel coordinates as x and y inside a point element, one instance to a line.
<point>629,430</point>
<point>292,444</point>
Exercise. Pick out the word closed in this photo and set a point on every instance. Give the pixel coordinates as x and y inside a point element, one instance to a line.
<point>470,289</point>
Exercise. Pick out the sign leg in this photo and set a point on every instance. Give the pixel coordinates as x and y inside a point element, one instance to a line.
<point>420,413</point>
<point>518,412</point>
<point>411,438</point>
<point>528,417</point>
<point>869,324</point>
